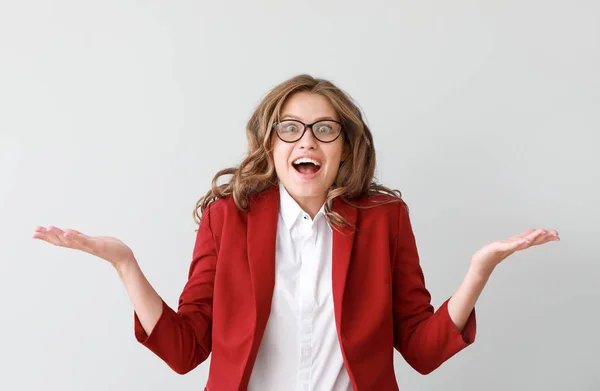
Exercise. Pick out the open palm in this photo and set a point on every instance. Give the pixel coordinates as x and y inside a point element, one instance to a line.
<point>493,253</point>
<point>108,248</point>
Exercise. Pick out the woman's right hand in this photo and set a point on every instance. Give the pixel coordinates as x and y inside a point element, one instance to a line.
<point>108,248</point>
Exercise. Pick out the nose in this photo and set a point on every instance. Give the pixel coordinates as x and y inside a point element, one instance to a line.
<point>308,140</point>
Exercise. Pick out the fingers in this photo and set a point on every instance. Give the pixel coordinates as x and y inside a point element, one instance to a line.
<point>530,237</point>
<point>50,234</point>
<point>68,238</point>
<point>541,236</point>
<point>522,234</point>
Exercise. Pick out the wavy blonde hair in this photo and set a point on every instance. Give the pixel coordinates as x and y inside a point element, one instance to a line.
<point>355,178</point>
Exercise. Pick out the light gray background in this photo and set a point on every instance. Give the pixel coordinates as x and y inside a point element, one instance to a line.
<point>115,115</point>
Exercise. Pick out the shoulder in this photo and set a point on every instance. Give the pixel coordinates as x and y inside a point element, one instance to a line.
<point>380,203</point>
<point>217,212</point>
<point>382,210</point>
<point>220,206</point>
<point>226,208</point>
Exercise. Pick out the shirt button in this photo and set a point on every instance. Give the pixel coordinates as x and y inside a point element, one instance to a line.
<point>305,217</point>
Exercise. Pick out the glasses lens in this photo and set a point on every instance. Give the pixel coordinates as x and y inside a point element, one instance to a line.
<point>289,130</point>
<point>326,130</point>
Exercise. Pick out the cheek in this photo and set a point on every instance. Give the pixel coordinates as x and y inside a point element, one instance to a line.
<point>280,157</point>
<point>334,155</point>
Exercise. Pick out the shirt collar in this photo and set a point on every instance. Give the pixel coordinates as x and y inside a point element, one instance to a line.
<point>289,208</point>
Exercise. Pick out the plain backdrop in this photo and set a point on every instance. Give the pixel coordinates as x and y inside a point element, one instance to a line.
<point>115,115</point>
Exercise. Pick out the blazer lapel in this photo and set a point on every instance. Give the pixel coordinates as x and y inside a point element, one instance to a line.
<point>261,244</point>
<point>342,250</point>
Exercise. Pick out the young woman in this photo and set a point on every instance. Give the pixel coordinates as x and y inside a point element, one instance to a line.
<point>305,274</point>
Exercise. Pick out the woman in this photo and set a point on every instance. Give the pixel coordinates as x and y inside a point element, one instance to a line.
<point>305,273</point>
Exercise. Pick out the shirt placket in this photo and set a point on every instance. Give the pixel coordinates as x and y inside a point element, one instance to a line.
<point>307,305</point>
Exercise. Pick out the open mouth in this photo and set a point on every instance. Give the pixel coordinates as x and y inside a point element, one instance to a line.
<point>306,166</point>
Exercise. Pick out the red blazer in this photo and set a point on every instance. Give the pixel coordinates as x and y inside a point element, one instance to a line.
<point>379,294</point>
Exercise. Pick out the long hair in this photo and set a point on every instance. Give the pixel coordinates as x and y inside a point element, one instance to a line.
<point>355,178</point>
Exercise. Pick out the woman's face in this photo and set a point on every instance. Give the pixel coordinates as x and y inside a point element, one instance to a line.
<point>308,182</point>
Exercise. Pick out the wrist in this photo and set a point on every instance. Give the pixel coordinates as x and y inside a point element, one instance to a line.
<point>125,265</point>
<point>478,270</point>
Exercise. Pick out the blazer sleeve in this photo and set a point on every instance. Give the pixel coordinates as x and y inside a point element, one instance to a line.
<point>425,338</point>
<point>183,339</point>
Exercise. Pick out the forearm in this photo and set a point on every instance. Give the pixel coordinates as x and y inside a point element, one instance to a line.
<point>146,302</point>
<point>182,339</point>
<point>463,301</point>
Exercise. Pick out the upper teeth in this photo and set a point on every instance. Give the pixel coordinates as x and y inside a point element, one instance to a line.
<point>306,160</point>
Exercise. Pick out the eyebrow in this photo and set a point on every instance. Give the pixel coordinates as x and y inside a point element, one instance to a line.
<point>290,116</point>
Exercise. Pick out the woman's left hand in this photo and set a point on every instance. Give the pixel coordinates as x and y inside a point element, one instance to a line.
<point>490,255</point>
<point>483,263</point>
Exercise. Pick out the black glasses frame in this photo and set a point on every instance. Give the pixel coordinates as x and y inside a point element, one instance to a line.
<point>311,129</point>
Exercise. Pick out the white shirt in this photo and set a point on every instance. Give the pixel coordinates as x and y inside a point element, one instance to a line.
<point>300,350</point>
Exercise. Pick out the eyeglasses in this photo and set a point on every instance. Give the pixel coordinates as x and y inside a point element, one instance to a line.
<point>291,130</point>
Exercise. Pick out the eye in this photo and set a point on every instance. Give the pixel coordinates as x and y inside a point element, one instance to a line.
<point>324,129</point>
<point>289,127</point>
